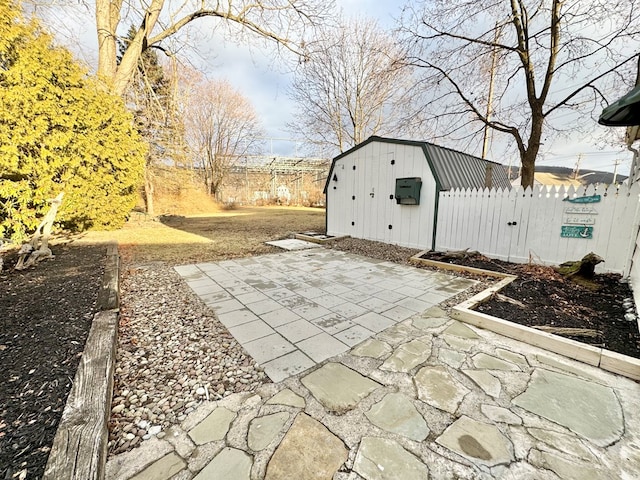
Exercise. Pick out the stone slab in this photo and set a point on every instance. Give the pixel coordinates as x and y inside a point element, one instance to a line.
<point>287,397</point>
<point>337,387</point>
<point>487,382</point>
<point>292,244</point>
<point>408,356</point>
<point>385,459</point>
<point>230,463</point>
<point>395,413</point>
<point>439,389</point>
<point>262,430</point>
<point>565,468</point>
<point>500,414</point>
<point>212,428</point>
<point>586,408</point>
<point>372,348</point>
<point>489,362</point>
<point>308,451</point>
<point>163,469</point>
<point>478,442</point>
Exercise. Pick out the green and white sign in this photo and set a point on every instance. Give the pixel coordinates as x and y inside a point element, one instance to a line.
<point>575,231</point>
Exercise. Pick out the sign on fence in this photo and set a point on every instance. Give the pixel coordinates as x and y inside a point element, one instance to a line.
<point>573,231</point>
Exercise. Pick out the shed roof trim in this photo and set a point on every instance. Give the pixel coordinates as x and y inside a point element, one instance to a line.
<point>450,168</point>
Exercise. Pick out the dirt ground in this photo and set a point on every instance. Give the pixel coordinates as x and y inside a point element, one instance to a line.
<point>233,233</point>
<point>547,299</point>
<point>45,315</point>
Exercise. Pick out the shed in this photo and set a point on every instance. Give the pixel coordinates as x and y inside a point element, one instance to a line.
<point>387,190</point>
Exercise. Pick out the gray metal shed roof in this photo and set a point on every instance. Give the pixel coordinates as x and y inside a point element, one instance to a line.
<point>451,169</point>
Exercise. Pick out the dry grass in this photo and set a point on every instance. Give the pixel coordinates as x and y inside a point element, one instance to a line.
<point>210,237</point>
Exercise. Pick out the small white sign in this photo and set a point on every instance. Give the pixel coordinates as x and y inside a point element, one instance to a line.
<point>579,220</point>
<point>578,210</point>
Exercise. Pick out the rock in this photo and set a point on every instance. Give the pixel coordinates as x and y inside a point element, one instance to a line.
<point>384,459</point>
<point>439,389</point>
<point>294,459</point>
<point>212,428</point>
<point>395,413</point>
<point>407,356</point>
<point>229,464</point>
<point>262,430</point>
<point>479,442</point>
<point>337,387</point>
<point>586,408</point>
<point>287,397</point>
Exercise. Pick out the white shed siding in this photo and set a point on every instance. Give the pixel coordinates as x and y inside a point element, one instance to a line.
<point>412,225</point>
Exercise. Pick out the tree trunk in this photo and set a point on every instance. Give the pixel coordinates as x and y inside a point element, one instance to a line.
<point>107,20</point>
<point>148,193</point>
<point>528,157</point>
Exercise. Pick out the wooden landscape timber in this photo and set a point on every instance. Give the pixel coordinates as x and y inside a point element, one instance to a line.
<point>79,448</point>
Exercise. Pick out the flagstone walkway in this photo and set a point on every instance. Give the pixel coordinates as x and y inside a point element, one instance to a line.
<point>425,397</point>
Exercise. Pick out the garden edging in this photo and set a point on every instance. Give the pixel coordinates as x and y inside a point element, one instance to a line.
<point>596,356</point>
<point>79,448</point>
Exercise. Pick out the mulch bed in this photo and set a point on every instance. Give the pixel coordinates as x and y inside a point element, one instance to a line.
<point>551,300</point>
<point>45,316</point>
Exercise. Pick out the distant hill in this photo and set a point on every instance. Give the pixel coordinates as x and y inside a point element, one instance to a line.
<point>546,175</point>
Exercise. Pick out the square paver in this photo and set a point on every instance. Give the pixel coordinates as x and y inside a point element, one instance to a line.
<point>329,301</point>
<point>250,297</point>
<point>311,312</point>
<point>414,304</point>
<point>374,321</point>
<point>349,310</point>
<point>355,296</point>
<point>398,313</point>
<point>267,348</point>
<point>280,293</point>
<point>354,335</point>
<point>282,316</point>
<point>236,317</point>
<point>333,323</point>
<point>336,289</point>
<point>287,365</point>
<point>251,331</point>
<point>215,297</point>
<point>322,346</point>
<point>411,291</point>
<point>298,330</point>
<point>264,306</point>
<point>434,297</point>
<point>389,296</point>
<point>376,304</point>
<point>225,306</point>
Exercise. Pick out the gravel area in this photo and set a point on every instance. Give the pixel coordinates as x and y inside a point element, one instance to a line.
<point>173,354</point>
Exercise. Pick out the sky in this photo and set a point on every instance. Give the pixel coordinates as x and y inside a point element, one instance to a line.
<point>251,70</point>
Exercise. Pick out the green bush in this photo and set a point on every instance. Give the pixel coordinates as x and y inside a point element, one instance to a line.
<point>60,131</point>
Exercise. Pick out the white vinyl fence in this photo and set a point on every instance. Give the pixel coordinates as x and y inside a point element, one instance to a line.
<point>543,225</point>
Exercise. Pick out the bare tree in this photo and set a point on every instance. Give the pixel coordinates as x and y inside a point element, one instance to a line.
<point>283,21</point>
<point>553,55</point>
<point>221,127</point>
<point>350,85</point>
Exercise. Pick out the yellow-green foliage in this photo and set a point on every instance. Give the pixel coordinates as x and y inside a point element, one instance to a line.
<point>60,131</point>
